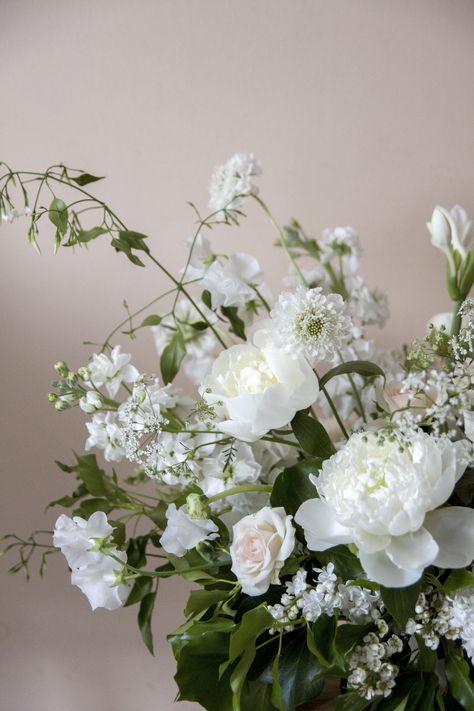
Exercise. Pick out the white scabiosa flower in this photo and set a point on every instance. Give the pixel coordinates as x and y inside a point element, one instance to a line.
<point>312,323</point>
<point>230,183</point>
<point>111,371</point>
<point>258,386</point>
<point>261,544</point>
<point>87,548</point>
<point>182,532</point>
<point>105,433</point>
<point>380,492</point>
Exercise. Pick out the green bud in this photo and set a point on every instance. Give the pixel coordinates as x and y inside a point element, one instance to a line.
<point>61,405</point>
<point>197,506</point>
<point>72,377</point>
<point>61,368</point>
<point>52,397</point>
<point>83,373</point>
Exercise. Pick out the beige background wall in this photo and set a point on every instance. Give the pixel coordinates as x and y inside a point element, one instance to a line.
<point>361,112</point>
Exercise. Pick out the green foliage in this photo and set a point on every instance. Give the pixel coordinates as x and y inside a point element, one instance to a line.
<point>348,636</point>
<point>458,578</point>
<point>361,367</point>
<point>300,675</point>
<point>145,614</point>
<point>293,485</point>
<point>352,701</point>
<point>237,326</point>
<point>400,602</point>
<point>321,641</point>
<point>460,685</point>
<point>312,436</point>
<point>128,241</point>
<point>141,587</point>
<point>202,600</point>
<point>172,357</point>
<point>346,564</point>
<point>86,178</point>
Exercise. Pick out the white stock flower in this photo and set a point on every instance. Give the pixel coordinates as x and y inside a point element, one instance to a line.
<point>368,305</point>
<point>259,387</point>
<point>340,242</point>
<point>219,475</point>
<point>105,433</point>
<point>111,371</point>
<point>450,230</point>
<point>95,572</point>
<point>230,280</point>
<point>231,182</point>
<point>90,402</point>
<point>381,492</point>
<point>261,544</point>
<point>307,321</point>
<point>182,533</point>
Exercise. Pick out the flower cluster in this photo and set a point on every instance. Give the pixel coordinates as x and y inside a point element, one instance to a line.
<point>372,672</point>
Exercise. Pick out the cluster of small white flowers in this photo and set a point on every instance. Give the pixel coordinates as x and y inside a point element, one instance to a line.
<point>328,595</point>
<point>309,322</point>
<point>438,615</point>
<point>14,214</point>
<point>230,183</point>
<point>372,672</point>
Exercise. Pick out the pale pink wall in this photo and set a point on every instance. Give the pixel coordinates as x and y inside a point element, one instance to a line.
<point>361,112</point>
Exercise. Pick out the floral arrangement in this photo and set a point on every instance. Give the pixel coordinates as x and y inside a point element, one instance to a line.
<point>315,489</point>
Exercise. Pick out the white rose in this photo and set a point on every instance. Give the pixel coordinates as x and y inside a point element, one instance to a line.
<point>182,533</point>
<point>260,387</point>
<point>381,496</point>
<point>261,544</point>
<point>393,397</point>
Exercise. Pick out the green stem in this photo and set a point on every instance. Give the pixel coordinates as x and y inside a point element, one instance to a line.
<point>335,413</point>
<point>245,488</point>
<point>457,318</point>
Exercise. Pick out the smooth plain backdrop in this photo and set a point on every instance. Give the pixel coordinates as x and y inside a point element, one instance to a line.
<point>361,112</point>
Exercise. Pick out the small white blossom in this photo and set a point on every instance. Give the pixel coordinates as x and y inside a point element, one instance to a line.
<point>340,242</point>
<point>232,281</point>
<point>462,618</point>
<point>230,183</point>
<point>105,433</point>
<point>182,533</point>
<point>111,371</point>
<point>90,402</point>
<point>306,321</point>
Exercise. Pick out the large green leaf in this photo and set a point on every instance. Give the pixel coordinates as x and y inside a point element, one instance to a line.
<point>346,564</point>
<point>242,647</point>
<point>321,641</point>
<point>459,578</point>
<point>361,367</point>
<point>348,635</point>
<point>312,436</point>
<point>172,357</point>
<point>58,215</point>
<point>200,600</point>
<point>400,602</point>
<point>293,485</point>
<point>301,676</point>
<point>94,478</point>
<point>460,685</point>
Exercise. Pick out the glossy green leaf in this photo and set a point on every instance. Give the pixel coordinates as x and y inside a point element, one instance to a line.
<point>321,641</point>
<point>242,647</point>
<point>58,215</point>
<point>200,600</point>
<point>293,485</point>
<point>460,685</point>
<point>348,635</point>
<point>145,614</point>
<point>312,436</point>
<point>361,367</point>
<point>400,602</point>
<point>300,675</point>
<point>172,357</point>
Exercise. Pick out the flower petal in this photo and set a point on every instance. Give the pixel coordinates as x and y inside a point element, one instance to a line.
<point>453,530</point>
<point>321,529</point>
<point>380,568</point>
<point>413,550</point>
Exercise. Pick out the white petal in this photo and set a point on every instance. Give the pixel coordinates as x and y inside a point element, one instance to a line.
<point>453,530</point>
<point>321,529</point>
<point>380,568</point>
<point>413,550</point>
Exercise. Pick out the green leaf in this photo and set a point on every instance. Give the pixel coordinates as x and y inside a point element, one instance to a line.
<point>460,685</point>
<point>293,485</point>
<point>200,600</point>
<point>141,587</point>
<point>206,298</point>
<point>145,613</point>
<point>236,323</point>
<point>467,274</point>
<point>400,602</point>
<point>347,565</point>
<point>301,677</point>
<point>68,501</point>
<point>277,695</point>
<point>95,479</point>
<point>133,240</point>
<point>172,357</point>
<point>459,578</point>
<point>126,249</point>
<point>321,640</point>
<point>361,367</point>
<point>348,635</point>
<point>352,702</point>
<point>242,644</point>
<point>88,235</point>
<point>136,551</point>
<point>152,320</point>
<point>86,178</point>
<point>58,215</point>
<point>426,659</point>
<point>90,506</point>
<point>312,436</point>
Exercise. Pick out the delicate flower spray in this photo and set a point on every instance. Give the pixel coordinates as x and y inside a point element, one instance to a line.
<point>316,489</point>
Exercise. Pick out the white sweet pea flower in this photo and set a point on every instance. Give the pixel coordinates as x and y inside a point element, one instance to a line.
<point>231,182</point>
<point>258,386</point>
<point>261,544</point>
<point>105,433</point>
<point>88,553</point>
<point>100,582</point>
<point>111,371</point>
<point>218,474</point>
<point>450,230</point>
<point>91,402</point>
<point>381,492</point>
<point>182,533</point>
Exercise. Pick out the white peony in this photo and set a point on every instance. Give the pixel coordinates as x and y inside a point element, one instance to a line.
<point>259,387</point>
<point>261,544</point>
<point>182,533</point>
<point>111,371</point>
<point>381,494</point>
<point>89,555</point>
